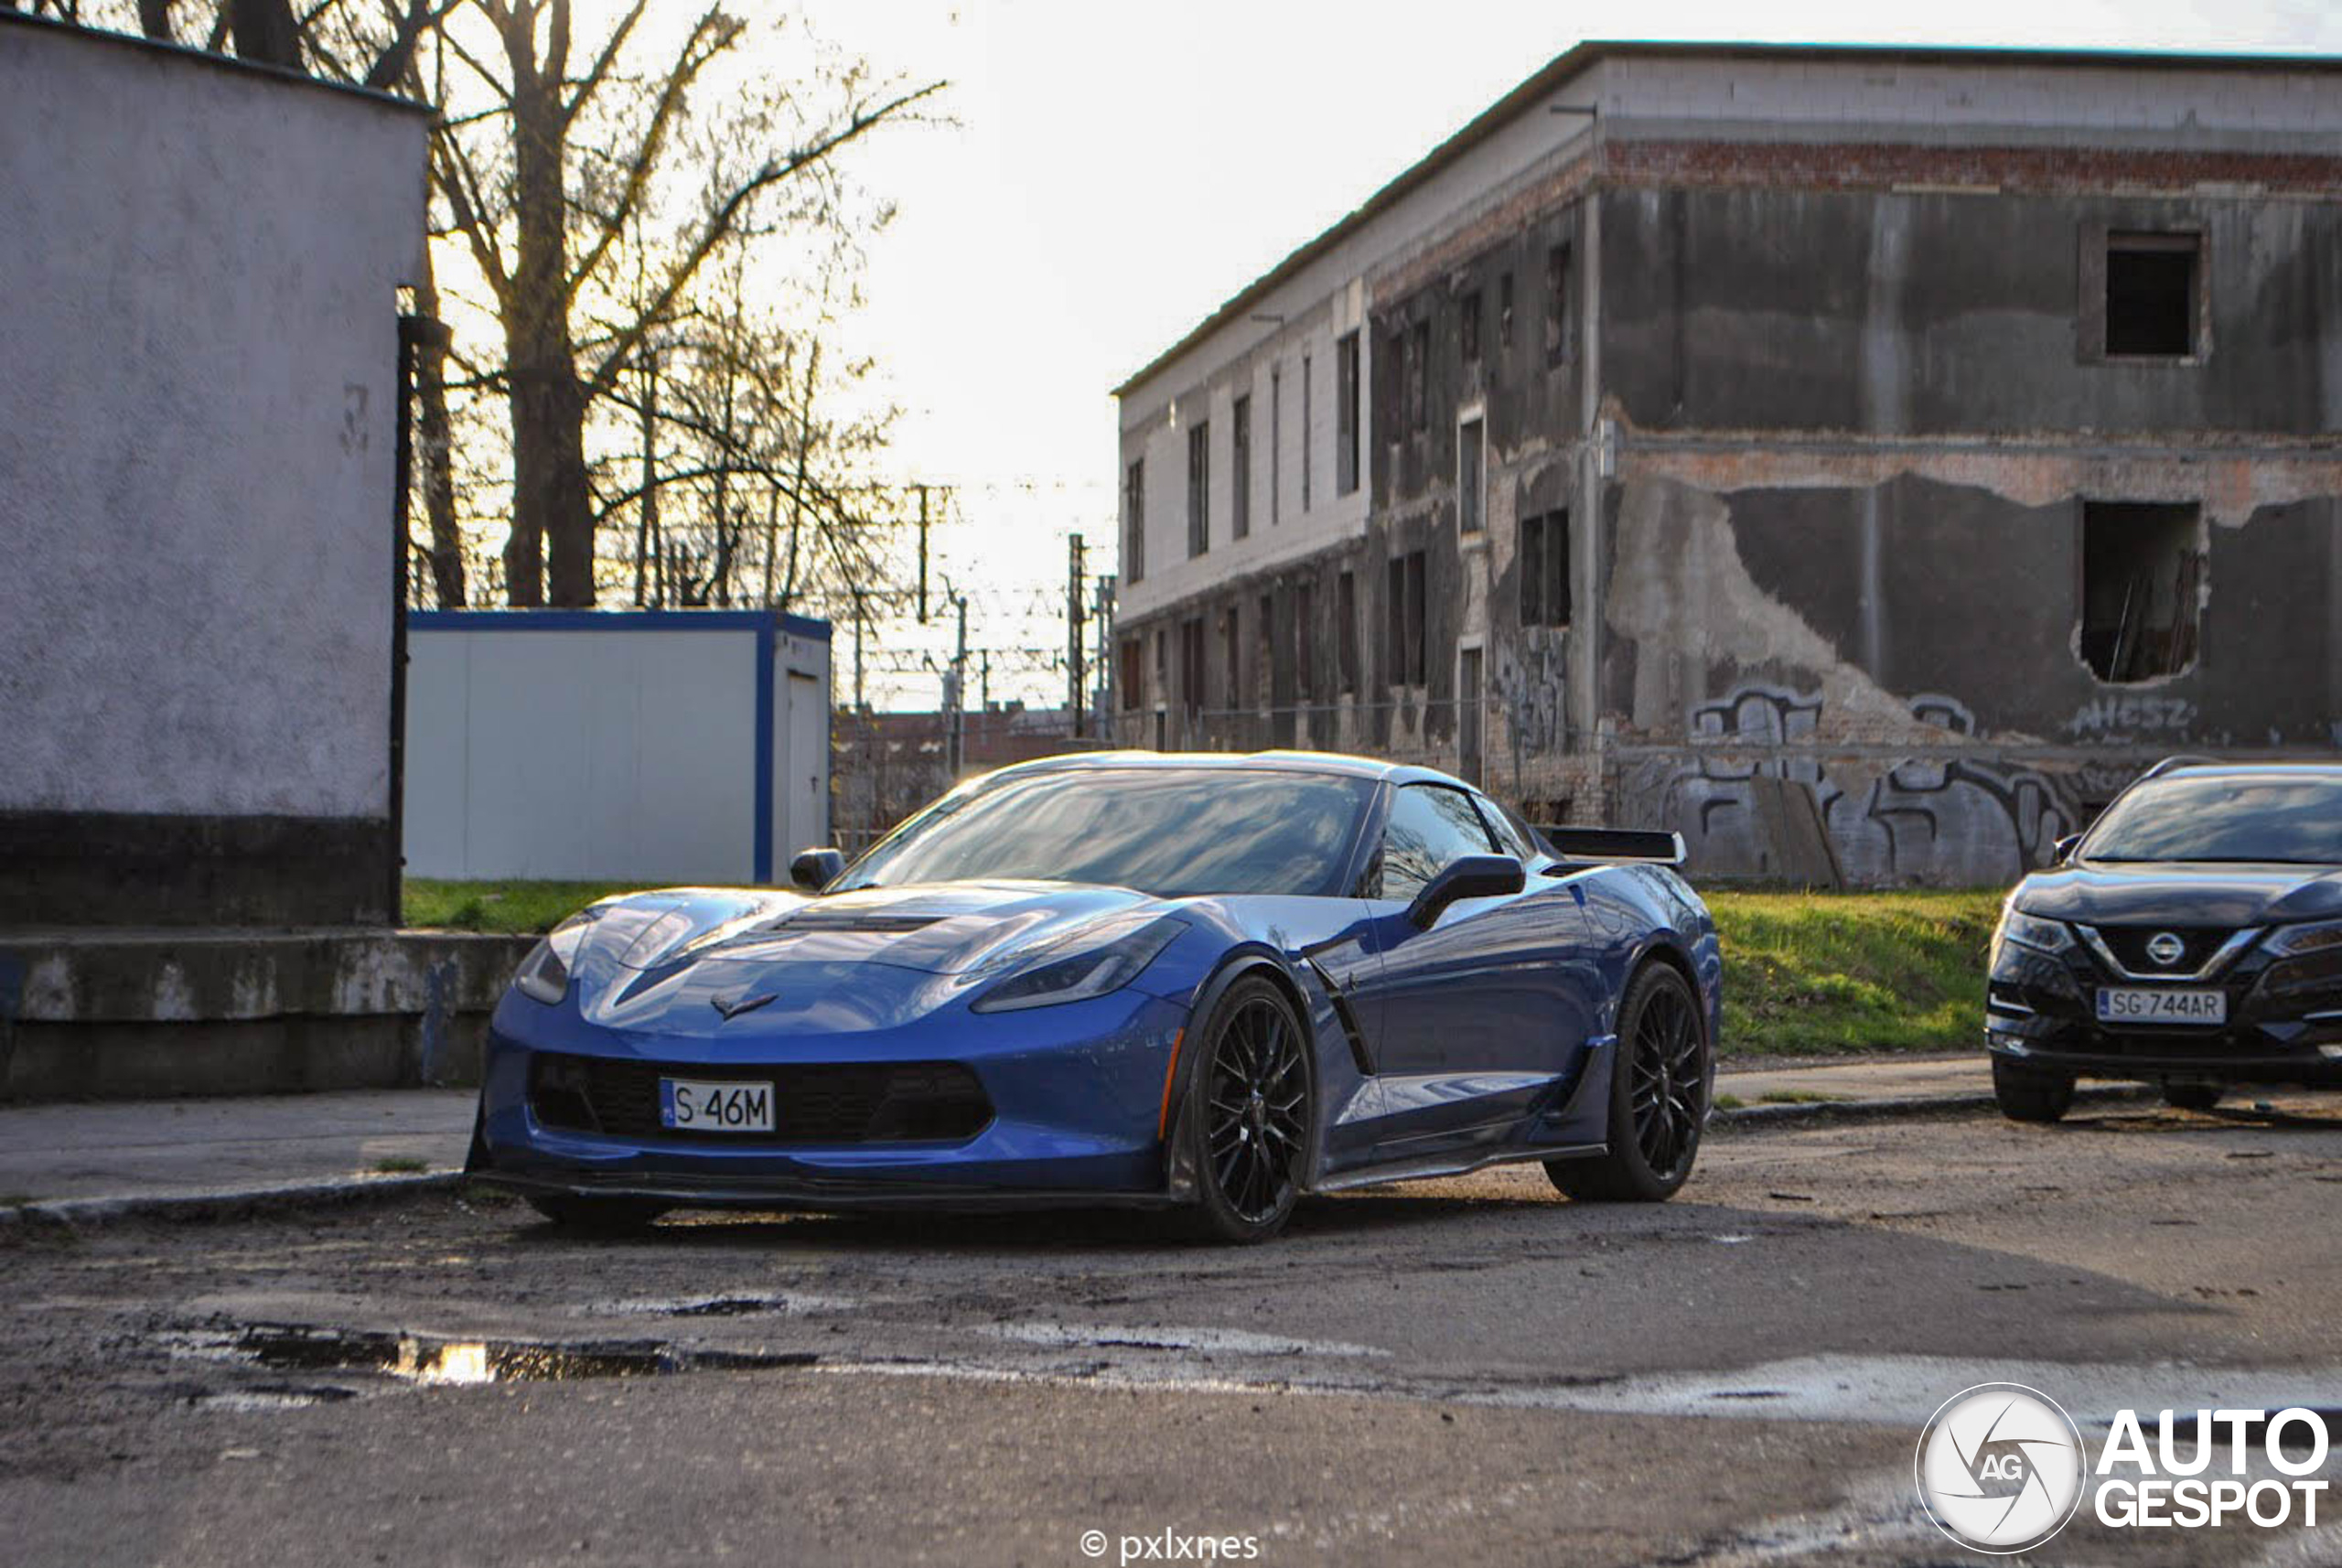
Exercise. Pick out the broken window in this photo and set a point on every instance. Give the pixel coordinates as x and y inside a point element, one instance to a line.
<point>1135,521</point>
<point>1239,466</point>
<point>2143,585</point>
<point>1345,629</point>
<point>1504,311</point>
<point>1199,488</point>
<point>1191,663</point>
<point>1346,415</point>
<point>1418,375</point>
<point>1471,451</point>
<point>1305,437</point>
<point>1545,570</point>
<point>1265,651</point>
<point>1276,439</point>
<point>1559,340</point>
<point>1468,326</point>
<point>1232,649</point>
<point>1305,665</point>
<point>1406,652</point>
<point>1134,673</point>
<point>2151,290</point>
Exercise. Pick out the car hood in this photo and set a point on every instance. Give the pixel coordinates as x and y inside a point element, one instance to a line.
<point>851,961</point>
<point>2183,894</point>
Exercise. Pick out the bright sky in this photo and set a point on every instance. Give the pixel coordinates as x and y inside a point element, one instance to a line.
<point>1120,169</point>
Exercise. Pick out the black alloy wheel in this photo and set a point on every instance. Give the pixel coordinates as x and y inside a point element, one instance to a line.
<point>2029,1094</point>
<point>1659,1097</point>
<point>1247,1113</point>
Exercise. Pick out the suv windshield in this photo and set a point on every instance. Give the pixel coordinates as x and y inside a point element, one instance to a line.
<point>2291,819</point>
<point>1174,833</point>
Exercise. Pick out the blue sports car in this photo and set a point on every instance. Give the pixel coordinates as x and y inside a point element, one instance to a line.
<point>1203,983</point>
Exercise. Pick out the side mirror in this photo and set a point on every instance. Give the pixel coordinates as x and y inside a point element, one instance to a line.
<point>816,869</point>
<point>1472,877</point>
<point>2066,847</point>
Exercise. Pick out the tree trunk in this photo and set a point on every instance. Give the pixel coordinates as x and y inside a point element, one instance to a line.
<point>436,447</point>
<point>553,517</point>
<point>266,33</point>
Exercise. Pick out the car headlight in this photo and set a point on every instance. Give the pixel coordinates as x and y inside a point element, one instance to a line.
<point>2029,931</point>
<point>1090,962</point>
<point>543,975</point>
<point>2312,937</point>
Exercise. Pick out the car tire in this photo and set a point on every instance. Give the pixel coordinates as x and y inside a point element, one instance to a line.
<point>2029,1094</point>
<point>2192,1096</point>
<point>595,1216</point>
<point>1660,1074</point>
<point>1247,1115</point>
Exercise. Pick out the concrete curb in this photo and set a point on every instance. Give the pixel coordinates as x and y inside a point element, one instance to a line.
<point>1753,1117</point>
<point>228,1203</point>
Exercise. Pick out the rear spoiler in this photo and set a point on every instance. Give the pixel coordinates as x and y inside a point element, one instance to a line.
<point>1614,844</point>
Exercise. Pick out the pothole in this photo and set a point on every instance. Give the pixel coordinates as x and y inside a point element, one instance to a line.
<point>418,1360</point>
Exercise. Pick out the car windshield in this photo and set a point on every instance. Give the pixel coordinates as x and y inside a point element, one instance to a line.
<point>2294,819</point>
<point>1174,833</point>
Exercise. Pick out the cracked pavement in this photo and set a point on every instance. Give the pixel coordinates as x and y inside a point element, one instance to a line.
<point>1472,1365</point>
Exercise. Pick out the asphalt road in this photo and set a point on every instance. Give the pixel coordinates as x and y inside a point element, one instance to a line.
<point>1472,1369</point>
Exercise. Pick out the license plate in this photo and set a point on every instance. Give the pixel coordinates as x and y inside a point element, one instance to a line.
<point>695,1105</point>
<point>2162,1006</point>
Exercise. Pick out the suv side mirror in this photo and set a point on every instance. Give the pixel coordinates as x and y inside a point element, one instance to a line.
<point>2066,847</point>
<point>1469,876</point>
<point>816,869</point>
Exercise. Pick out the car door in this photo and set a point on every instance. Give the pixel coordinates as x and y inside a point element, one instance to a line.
<point>1476,1015</point>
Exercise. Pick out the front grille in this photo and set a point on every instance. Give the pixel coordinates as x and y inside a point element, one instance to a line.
<point>2199,943</point>
<point>816,1103</point>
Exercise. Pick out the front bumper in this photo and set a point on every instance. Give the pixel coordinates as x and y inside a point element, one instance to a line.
<point>2281,1029</point>
<point>1076,1094</point>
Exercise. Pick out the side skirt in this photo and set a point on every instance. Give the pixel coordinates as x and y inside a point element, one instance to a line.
<point>1458,1164</point>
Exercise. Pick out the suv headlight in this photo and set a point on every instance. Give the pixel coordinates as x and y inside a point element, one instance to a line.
<point>1089,961</point>
<point>543,975</point>
<point>2314,938</point>
<point>2026,931</point>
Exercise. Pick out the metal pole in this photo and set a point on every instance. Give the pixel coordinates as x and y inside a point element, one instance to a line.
<point>414,332</point>
<point>646,521</point>
<point>1075,694</point>
<point>959,689</point>
<point>857,650</point>
<point>922,553</point>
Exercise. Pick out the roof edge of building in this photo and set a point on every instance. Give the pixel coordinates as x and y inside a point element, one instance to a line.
<point>109,37</point>
<point>1593,51</point>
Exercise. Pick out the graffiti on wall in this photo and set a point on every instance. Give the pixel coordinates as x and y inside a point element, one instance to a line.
<point>1806,816</point>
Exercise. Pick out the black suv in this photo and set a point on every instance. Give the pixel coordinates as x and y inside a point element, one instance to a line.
<point>2192,938</point>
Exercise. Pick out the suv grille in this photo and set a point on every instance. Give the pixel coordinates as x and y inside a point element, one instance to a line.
<point>2199,943</point>
<point>821,1102</point>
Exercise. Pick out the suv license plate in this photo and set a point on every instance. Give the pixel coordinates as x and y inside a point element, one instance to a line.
<point>697,1105</point>
<point>2122,1006</point>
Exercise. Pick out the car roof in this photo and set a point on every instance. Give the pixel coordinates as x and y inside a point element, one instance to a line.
<point>2249,770</point>
<point>1322,762</point>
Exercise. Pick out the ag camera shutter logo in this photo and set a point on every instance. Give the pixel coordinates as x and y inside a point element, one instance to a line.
<point>2000,1468</point>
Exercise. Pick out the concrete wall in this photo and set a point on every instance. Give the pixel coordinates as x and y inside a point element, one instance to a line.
<point>1824,421</point>
<point>621,747</point>
<point>199,356</point>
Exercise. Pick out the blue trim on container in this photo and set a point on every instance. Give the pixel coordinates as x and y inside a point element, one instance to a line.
<point>588,620</point>
<point>767,651</point>
<point>805,625</point>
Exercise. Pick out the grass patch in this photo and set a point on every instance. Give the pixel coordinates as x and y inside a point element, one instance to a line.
<point>1818,973</point>
<point>400,1165</point>
<point>500,906</point>
<point>1795,1096</point>
<point>1730,1102</point>
<point>16,1199</point>
<point>1805,973</point>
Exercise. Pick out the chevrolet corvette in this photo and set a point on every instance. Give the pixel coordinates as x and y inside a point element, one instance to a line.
<point>1210,983</point>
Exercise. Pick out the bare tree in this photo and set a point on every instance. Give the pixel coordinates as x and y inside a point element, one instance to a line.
<point>542,220</point>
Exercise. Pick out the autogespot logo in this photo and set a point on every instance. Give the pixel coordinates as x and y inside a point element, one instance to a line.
<point>2000,1468</point>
